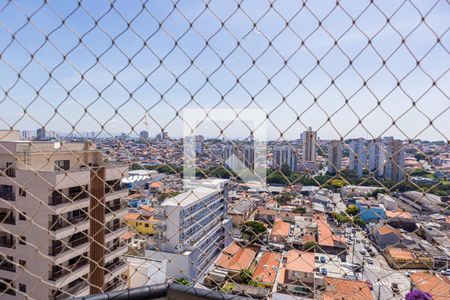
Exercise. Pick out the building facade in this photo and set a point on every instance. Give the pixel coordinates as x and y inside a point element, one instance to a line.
<point>309,145</point>
<point>358,157</point>
<point>284,155</point>
<point>44,192</point>
<point>334,157</point>
<point>376,158</point>
<point>395,161</point>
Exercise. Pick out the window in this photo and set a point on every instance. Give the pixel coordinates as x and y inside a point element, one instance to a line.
<point>22,287</point>
<point>22,216</point>
<point>22,240</point>
<point>23,263</point>
<point>22,192</point>
<point>146,225</point>
<point>62,165</point>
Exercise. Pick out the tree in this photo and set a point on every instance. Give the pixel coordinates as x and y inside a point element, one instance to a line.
<point>246,276</point>
<point>286,170</point>
<point>253,229</point>
<point>341,218</point>
<point>309,246</point>
<point>299,210</point>
<point>352,210</point>
<point>358,221</point>
<point>420,156</point>
<point>284,198</point>
<point>183,281</point>
<point>337,183</point>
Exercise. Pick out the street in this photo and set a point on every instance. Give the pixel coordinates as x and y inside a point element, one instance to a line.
<point>379,272</point>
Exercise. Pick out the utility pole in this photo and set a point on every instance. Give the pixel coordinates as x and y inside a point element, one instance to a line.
<point>379,292</point>
<point>97,230</point>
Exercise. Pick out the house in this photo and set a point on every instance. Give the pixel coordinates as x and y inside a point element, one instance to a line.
<point>156,187</point>
<point>235,258</point>
<point>297,274</point>
<point>267,268</point>
<point>403,258</point>
<point>385,236</point>
<point>401,220</point>
<point>338,289</point>
<point>241,212</point>
<point>141,224</point>
<point>280,232</point>
<point>370,210</point>
<point>436,285</point>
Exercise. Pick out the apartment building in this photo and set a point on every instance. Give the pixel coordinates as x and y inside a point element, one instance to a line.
<point>376,158</point>
<point>285,155</point>
<point>334,157</point>
<point>395,162</point>
<point>309,138</point>
<point>44,201</point>
<point>192,231</point>
<point>357,157</point>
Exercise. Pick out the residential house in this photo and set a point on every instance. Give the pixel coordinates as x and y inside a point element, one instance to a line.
<point>437,286</point>
<point>280,232</point>
<point>385,236</point>
<point>267,269</point>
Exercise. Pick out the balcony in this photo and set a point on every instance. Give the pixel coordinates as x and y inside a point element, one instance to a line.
<point>6,265</point>
<point>7,241</point>
<point>61,222</point>
<point>7,217</point>
<point>58,249</point>
<point>58,197</point>
<point>8,172</point>
<point>115,207</point>
<point>74,288</point>
<point>55,275</point>
<point>10,196</point>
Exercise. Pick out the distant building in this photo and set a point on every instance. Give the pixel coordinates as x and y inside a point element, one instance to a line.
<point>334,157</point>
<point>143,135</point>
<point>284,155</point>
<point>249,156</point>
<point>395,162</point>
<point>376,158</point>
<point>162,136</point>
<point>199,144</point>
<point>230,150</point>
<point>357,157</point>
<point>309,145</point>
<point>40,134</point>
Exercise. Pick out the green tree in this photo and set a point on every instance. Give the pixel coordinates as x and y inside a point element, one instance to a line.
<point>309,246</point>
<point>300,210</point>
<point>183,281</point>
<point>358,221</point>
<point>420,156</point>
<point>253,229</point>
<point>286,170</point>
<point>352,210</point>
<point>246,277</point>
<point>284,198</point>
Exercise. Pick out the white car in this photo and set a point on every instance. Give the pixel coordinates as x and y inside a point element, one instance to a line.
<point>369,260</point>
<point>362,251</point>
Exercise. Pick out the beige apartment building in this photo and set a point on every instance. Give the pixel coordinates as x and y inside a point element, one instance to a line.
<point>44,221</point>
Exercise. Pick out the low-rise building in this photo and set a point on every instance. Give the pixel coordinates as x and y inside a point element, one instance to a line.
<point>267,268</point>
<point>280,232</point>
<point>385,235</point>
<point>403,258</point>
<point>437,286</point>
<point>338,289</point>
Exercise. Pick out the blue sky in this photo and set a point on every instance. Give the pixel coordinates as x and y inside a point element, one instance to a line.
<point>133,82</point>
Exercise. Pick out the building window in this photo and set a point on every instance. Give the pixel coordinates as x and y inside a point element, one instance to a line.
<point>22,216</point>
<point>22,240</point>
<point>22,287</point>
<point>23,263</point>
<point>22,192</point>
<point>62,165</point>
<point>146,225</point>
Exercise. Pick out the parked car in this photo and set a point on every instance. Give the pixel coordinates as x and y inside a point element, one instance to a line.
<point>408,273</point>
<point>369,260</point>
<point>370,284</point>
<point>373,254</point>
<point>323,259</point>
<point>362,251</point>
<point>324,271</point>
<point>445,272</point>
<point>394,287</point>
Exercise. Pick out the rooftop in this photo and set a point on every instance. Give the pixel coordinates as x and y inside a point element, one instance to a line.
<point>300,261</point>
<point>189,197</point>
<point>338,289</point>
<point>236,257</point>
<point>438,286</point>
<point>266,270</point>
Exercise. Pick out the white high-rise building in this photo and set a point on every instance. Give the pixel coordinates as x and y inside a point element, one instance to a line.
<point>284,155</point>
<point>199,144</point>
<point>249,156</point>
<point>334,157</point>
<point>309,138</point>
<point>192,229</point>
<point>44,204</point>
<point>358,157</point>
<point>230,155</point>
<point>395,161</point>
<point>376,158</point>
